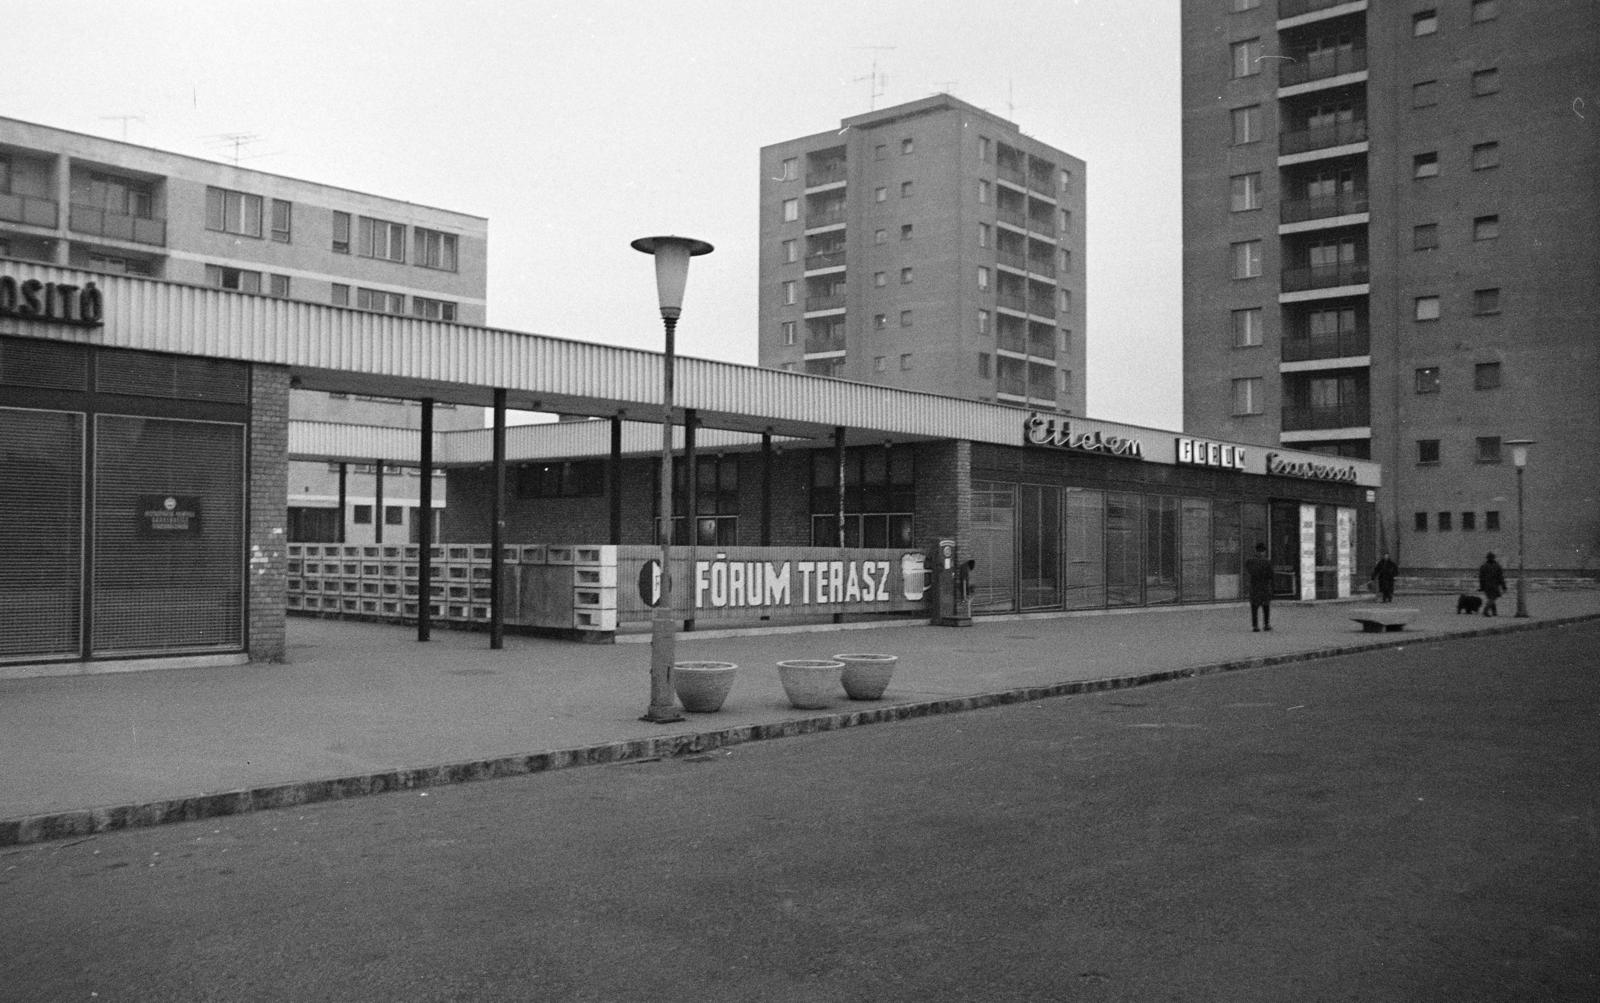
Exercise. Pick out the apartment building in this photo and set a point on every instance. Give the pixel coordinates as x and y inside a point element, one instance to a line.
<point>1390,219</point>
<point>928,246</point>
<point>96,204</point>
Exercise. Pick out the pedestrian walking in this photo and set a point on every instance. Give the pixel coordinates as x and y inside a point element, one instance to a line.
<point>1492,583</point>
<point>1258,576</point>
<point>1384,573</point>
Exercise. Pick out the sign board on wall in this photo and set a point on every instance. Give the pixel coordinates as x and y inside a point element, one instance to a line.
<point>1308,552</point>
<point>168,516</point>
<point>1347,549</point>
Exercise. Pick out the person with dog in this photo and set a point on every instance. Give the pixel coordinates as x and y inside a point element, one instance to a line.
<point>1384,573</point>
<point>1258,576</point>
<point>1492,583</point>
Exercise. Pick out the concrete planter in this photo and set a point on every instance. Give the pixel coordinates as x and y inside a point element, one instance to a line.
<point>810,682</point>
<point>703,686</point>
<point>866,675</point>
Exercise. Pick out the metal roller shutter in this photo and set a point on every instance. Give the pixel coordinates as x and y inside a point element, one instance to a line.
<point>41,535</point>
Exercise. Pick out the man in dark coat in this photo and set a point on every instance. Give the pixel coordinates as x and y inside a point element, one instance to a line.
<point>1492,583</point>
<point>1384,573</point>
<point>1258,576</point>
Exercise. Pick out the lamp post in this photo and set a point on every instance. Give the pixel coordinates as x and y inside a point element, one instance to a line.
<point>672,256</point>
<point>1519,456</point>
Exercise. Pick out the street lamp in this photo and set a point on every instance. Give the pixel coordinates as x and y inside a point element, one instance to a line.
<point>672,256</point>
<point>1519,456</point>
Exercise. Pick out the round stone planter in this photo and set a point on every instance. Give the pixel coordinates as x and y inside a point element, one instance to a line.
<point>866,675</point>
<point>702,686</point>
<point>810,682</point>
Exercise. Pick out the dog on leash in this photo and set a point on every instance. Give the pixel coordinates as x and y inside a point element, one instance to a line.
<point>1468,603</point>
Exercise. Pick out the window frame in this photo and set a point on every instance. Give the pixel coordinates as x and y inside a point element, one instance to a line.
<point>1248,259</point>
<point>231,211</point>
<point>1251,335</point>
<point>1253,388</point>
<point>1425,380</point>
<point>1486,376</point>
<point>1426,308</point>
<point>1429,452</point>
<point>431,245</point>
<point>283,232</point>
<point>1244,192</point>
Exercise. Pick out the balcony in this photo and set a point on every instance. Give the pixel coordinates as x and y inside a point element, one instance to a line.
<point>1322,207</point>
<point>97,222</point>
<point>1042,183</point>
<point>1012,259</point>
<point>1309,66</point>
<point>1015,217</point>
<point>27,209</point>
<point>1012,301</point>
<point>1322,137</point>
<point>1339,345</point>
<point>833,258</point>
<point>820,344</point>
<point>1012,172</point>
<point>826,174</point>
<point>825,215</point>
<point>1042,343</point>
<point>1302,419</point>
<point>1349,273</point>
<point>1042,306</point>
<point>1294,8</point>
<point>831,301</point>
<point>1042,264</point>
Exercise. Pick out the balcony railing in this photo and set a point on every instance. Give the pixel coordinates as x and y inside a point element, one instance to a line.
<point>1323,136</point>
<point>1042,345</point>
<point>833,301</point>
<point>1302,419</point>
<point>1016,217</point>
<point>27,209</point>
<point>1350,273</point>
<point>1013,173</point>
<point>1322,206</point>
<point>826,174</point>
<point>1044,184</point>
<point>1012,301</point>
<point>1042,306</point>
<point>825,259</point>
<point>1044,223</point>
<point>1012,259</point>
<point>824,215</point>
<point>98,222</point>
<point>1294,8</point>
<point>1306,67</point>
<point>816,345</point>
<point>1340,345</point>
<point>1042,264</point>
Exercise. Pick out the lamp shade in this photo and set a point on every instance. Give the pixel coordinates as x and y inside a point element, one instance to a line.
<point>672,256</point>
<point>1519,451</point>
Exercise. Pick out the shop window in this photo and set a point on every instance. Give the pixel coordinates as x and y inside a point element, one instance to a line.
<point>570,479</point>
<point>361,515</point>
<point>879,496</point>
<point>394,515</point>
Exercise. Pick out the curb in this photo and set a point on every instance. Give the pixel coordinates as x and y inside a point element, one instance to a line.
<point>84,822</point>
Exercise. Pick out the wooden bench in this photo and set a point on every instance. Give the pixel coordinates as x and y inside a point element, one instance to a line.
<point>1375,619</point>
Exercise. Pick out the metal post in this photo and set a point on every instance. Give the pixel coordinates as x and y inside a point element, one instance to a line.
<point>614,479</point>
<point>377,501</point>
<point>663,622</point>
<point>497,523</point>
<point>425,527</point>
<point>1522,567</point>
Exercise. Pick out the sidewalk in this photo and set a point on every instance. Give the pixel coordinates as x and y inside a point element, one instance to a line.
<point>363,708</point>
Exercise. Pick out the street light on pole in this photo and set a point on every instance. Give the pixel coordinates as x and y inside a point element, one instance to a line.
<point>672,256</point>
<point>1519,456</point>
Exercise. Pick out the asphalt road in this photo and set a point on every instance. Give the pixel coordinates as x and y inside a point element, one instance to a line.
<point>1418,824</point>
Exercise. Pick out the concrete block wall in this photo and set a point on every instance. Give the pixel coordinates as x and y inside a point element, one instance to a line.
<point>268,494</point>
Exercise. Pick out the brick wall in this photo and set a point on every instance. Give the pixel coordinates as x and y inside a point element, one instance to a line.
<point>944,492</point>
<point>268,487</point>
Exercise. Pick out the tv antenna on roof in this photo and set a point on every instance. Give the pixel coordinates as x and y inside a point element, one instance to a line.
<point>237,140</point>
<point>876,78</point>
<point>124,119</point>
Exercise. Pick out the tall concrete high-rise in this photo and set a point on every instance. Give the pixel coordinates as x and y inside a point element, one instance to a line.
<point>1390,220</point>
<point>928,246</point>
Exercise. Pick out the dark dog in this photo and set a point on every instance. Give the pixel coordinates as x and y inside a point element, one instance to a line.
<point>1468,604</point>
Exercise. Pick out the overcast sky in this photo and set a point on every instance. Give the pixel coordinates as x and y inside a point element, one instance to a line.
<point>577,126</point>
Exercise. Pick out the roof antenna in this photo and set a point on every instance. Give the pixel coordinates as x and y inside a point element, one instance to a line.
<point>124,119</point>
<point>876,78</point>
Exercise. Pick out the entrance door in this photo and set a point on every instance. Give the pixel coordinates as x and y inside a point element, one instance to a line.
<point>1283,548</point>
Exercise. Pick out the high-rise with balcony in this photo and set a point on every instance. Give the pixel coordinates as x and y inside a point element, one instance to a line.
<point>1390,252</point>
<point>101,205</point>
<point>928,246</point>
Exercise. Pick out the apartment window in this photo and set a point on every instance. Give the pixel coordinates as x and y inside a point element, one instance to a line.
<point>791,251</point>
<point>361,515</point>
<point>790,169</point>
<point>1443,522</point>
<point>1064,258</point>
<point>282,215</point>
<point>1246,57</point>
<point>880,321</point>
<point>1240,6</point>
<point>905,275</point>
<point>787,331</point>
<point>1064,300</point>
<point>435,249</point>
<point>341,232</point>
<point>1065,218</point>
<point>380,301</point>
<point>1247,328</point>
<point>105,262</point>
<point>905,318</point>
<point>905,361</point>
<point>1425,165</point>
<point>1485,82</point>
<point>278,285</point>
<point>1425,94</point>
<point>233,212</point>
<point>791,210</point>
<point>431,309</point>
<point>880,236</point>
<point>905,189</point>
<point>789,293</point>
<point>1246,191</point>
<point>983,277</point>
<point>880,194</point>
<point>237,279</point>
<point>1425,236</point>
<point>1491,521</point>
<point>880,363</point>
<point>379,238</point>
<point>1486,376</point>
<point>983,148</point>
<point>983,365</point>
<point>1485,301</point>
<point>1486,228</point>
<point>983,192</point>
<point>1426,308</point>
<point>1247,259</point>
<point>1246,125</point>
<point>983,322</point>
<point>1427,450</point>
<point>983,234</point>
<point>1247,395</point>
<point>340,295</point>
<point>907,146</point>
<point>905,231</point>
<point>1066,179</point>
<point>880,151</point>
<point>1485,10</point>
<point>1424,22</point>
<point>1469,521</point>
<point>1485,156</point>
<point>1420,522</point>
<point>1427,380</point>
<point>1488,449</point>
<point>1066,381</point>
